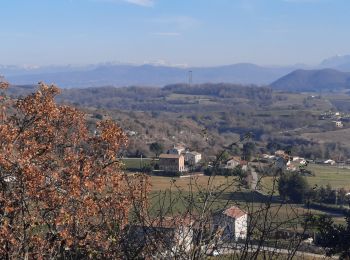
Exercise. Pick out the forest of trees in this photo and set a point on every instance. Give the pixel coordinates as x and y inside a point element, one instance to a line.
<point>224,110</point>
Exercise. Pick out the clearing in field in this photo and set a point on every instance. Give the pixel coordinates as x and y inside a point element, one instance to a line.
<point>337,136</point>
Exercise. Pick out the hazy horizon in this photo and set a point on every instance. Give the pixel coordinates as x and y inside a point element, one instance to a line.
<point>192,32</point>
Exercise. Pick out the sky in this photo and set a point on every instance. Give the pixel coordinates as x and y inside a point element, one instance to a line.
<point>173,32</point>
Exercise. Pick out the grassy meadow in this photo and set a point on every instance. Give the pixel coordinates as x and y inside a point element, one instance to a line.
<point>174,193</point>
<point>136,163</point>
<point>336,177</point>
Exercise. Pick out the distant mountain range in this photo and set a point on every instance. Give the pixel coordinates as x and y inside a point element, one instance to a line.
<point>313,80</point>
<point>148,75</point>
<point>338,62</point>
<point>283,77</point>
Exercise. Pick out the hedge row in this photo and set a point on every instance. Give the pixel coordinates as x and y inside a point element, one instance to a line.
<point>331,208</point>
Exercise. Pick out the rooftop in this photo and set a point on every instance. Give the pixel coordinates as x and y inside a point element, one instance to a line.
<point>234,158</point>
<point>178,147</point>
<point>194,153</point>
<point>169,156</point>
<point>234,212</point>
<point>170,222</point>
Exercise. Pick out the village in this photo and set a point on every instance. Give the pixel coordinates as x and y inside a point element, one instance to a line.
<point>180,161</point>
<point>154,129</point>
<point>228,225</point>
<point>338,118</point>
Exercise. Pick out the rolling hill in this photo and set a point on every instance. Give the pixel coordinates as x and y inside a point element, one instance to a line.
<point>313,80</point>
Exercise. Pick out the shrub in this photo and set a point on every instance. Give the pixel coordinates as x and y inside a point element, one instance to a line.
<point>293,186</point>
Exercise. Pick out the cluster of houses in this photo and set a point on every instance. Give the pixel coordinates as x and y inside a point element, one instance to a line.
<point>179,159</point>
<point>337,118</point>
<point>176,234</point>
<point>281,160</point>
<point>233,162</point>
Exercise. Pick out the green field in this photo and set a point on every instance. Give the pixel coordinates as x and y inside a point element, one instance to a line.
<point>160,196</point>
<point>336,177</point>
<point>163,183</point>
<point>136,163</point>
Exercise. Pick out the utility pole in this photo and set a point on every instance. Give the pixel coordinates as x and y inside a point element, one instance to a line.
<point>190,77</point>
<point>336,196</point>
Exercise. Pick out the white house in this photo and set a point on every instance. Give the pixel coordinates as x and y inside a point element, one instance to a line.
<point>265,156</point>
<point>176,150</point>
<point>175,236</point>
<point>130,133</point>
<point>309,241</point>
<point>299,160</point>
<point>193,158</point>
<point>232,163</point>
<point>177,232</point>
<point>268,156</point>
<point>339,124</point>
<point>302,162</point>
<point>290,166</point>
<point>232,223</point>
<point>296,158</point>
<point>172,162</point>
<point>329,161</point>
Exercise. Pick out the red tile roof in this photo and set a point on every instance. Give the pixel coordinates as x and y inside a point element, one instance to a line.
<point>234,212</point>
<point>171,222</point>
<point>169,156</point>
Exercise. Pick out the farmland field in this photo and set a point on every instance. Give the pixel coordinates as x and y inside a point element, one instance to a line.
<point>162,183</point>
<point>336,177</point>
<point>250,201</point>
<point>337,136</point>
<point>136,163</point>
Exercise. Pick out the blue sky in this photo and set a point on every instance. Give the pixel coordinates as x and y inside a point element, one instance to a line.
<point>192,32</point>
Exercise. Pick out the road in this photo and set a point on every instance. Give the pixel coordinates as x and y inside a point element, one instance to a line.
<point>293,130</point>
<point>240,247</point>
<point>255,179</point>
